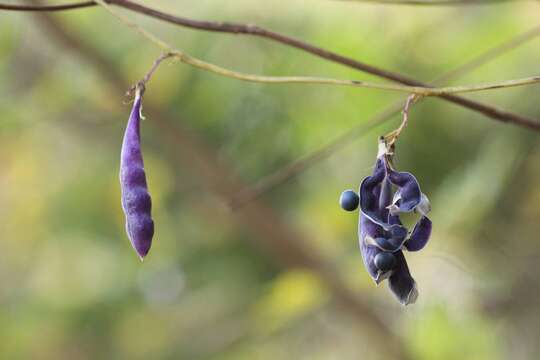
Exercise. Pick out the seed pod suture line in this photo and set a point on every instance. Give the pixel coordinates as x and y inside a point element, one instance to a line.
<point>136,200</point>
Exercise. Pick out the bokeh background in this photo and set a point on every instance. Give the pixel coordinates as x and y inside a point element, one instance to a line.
<point>282,277</point>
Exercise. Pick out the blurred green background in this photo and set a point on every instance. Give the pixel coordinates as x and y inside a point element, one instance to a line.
<point>222,284</point>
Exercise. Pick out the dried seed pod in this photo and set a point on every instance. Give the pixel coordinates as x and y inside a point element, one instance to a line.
<point>136,200</point>
<point>382,235</point>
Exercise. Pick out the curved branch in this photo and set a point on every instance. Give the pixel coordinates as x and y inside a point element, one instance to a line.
<point>254,30</point>
<point>216,69</point>
<point>418,90</point>
<point>48,8</point>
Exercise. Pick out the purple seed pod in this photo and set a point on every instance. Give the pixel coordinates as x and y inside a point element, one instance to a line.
<point>136,201</point>
<point>382,236</point>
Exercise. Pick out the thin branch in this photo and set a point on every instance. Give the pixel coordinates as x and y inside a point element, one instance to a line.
<point>254,30</point>
<point>142,83</point>
<point>48,8</point>
<point>418,90</point>
<point>280,176</point>
<point>216,69</point>
<point>392,137</point>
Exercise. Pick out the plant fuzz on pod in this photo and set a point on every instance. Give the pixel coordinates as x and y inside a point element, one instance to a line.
<point>136,201</point>
<point>382,235</point>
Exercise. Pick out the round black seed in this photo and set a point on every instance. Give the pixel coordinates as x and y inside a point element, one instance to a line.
<point>349,200</point>
<point>385,261</point>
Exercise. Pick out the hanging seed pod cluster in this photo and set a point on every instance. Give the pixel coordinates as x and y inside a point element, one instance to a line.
<point>383,196</point>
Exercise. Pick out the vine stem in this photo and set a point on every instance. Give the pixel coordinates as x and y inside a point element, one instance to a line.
<point>203,65</point>
<point>141,84</point>
<point>392,137</point>
<point>47,8</point>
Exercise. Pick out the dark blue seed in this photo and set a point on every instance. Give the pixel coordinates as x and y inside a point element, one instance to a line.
<point>385,261</point>
<point>349,200</point>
